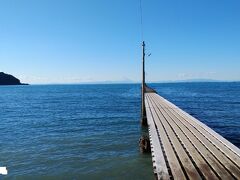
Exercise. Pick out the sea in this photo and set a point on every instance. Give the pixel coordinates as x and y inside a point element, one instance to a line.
<point>92,131</point>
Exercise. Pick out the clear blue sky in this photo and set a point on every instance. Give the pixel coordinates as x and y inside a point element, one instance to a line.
<point>71,41</point>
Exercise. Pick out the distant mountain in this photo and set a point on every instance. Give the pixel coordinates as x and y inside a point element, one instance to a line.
<point>188,80</point>
<point>111,82</point>
<point>7,79</point>
<point>199,80</point>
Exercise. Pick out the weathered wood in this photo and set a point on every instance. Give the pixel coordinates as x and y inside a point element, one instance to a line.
<point>184,159</point>
<point>217,153</point>
<point>159,164</point>
<point>143,109</point>
<point>202,126</point>
<point>172,159</point>
<point>190,149</point>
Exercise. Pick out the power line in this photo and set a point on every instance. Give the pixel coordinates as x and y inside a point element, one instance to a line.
<point>141,16</point>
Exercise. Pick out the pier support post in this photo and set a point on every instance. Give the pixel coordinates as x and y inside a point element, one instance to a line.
<point>144,144</point>
<point>143,110</point>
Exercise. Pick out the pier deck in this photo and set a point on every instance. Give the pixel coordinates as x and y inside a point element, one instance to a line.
<point>183,147</point>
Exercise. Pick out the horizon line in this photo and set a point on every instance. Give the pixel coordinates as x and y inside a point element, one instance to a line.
<point>139,82</point>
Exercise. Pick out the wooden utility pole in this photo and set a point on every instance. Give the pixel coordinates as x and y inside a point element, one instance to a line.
<point>143,110</point>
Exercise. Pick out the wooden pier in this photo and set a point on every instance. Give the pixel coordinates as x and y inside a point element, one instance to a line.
<point>184,148</point>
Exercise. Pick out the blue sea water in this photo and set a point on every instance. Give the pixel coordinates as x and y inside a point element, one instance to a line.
<point>92,131</point>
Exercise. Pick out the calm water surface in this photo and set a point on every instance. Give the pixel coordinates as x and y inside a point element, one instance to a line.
<point>92,131</point>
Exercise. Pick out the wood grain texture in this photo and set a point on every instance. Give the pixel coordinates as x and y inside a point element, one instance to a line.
<point>190,149</point>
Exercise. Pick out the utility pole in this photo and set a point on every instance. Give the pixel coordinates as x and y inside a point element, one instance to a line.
<point>143,110</point>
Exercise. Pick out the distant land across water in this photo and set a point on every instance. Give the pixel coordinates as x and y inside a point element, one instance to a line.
<point>193,80</point>
<point>7,79</point>
<point>148,82</point>
<point>162,81</point>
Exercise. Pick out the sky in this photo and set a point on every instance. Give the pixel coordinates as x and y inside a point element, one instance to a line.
<point>77,41</point>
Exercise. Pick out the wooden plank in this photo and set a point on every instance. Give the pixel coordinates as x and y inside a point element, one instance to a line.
<point>218,168</point>
<point>202,165</point>
<point>207,130</point>
<point>229,153</point>
<point>159,163</point>
<point>223,161</point>
<point>184,159</point>
<point>217,143</point>
<point>172,159</point>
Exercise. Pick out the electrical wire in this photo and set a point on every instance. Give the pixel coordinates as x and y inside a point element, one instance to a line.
<point>141,17</point>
